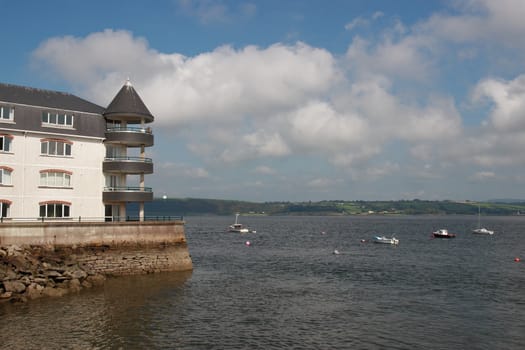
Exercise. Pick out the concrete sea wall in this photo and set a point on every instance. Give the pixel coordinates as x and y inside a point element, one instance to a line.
<point>53,258</point>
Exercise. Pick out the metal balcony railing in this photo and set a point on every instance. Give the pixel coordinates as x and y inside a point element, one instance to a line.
<point>128,189</point>
<point>128,159</point>
<point>72,219</point>
<point>129,129</point>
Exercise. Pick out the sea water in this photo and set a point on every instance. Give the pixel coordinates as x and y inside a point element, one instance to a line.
<point>288,290</point>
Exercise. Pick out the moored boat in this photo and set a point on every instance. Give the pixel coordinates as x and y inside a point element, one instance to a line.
<point>237,227</point>
<point>386,240</point>
<point>443,233</point>
<point>481,230</point>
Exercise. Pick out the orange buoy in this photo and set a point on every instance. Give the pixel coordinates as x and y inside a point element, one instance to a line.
<point>517,259</point>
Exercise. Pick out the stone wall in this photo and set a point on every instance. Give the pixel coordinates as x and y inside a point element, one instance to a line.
<point>46,259</point>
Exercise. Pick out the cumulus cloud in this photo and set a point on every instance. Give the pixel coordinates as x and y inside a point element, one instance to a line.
<point>508,102</point>
<point>257,103</point>
<point>484,21</point>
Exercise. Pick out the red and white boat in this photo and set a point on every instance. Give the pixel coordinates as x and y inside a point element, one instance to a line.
<point>443,233</point>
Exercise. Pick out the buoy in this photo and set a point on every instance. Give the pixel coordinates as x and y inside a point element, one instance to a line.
<point>517,259</point>
<point>363,241</point>
<point>336,252</point>
<point>248,243</point>
<point>323,233</point>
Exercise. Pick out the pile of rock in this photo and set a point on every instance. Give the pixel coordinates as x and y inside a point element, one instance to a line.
<point>30,272</point>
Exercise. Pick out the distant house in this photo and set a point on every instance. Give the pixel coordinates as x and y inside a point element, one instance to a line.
<point>63,157</point>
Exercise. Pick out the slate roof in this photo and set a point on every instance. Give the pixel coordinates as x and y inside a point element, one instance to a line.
<point>46,98</point>
<point>128,103</point>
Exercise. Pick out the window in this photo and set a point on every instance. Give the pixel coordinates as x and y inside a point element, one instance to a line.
<point>55,147</point>
<point>6,113</point>
<point>55,178</point>
<point>5,143</point>
<point>55,209</point>
<point>4,208</point>
<point>5,175</point>
<point>57,119</point>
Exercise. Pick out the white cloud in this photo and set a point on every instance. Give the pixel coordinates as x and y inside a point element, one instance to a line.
<point>483,21</point>
<point>483,175</point>
<point>265,170</point>
<point>281,101</point>
<point>356,22</point>
<point>213,87</point>
<point>508,102</point>
<point>184,170</point>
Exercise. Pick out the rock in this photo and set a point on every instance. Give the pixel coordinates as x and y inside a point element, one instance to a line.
<point>14,286</point>
<point>53,274</point>
<point>74,285</point>
<point>13,249</point>
<point>19,262</point>
<point>40,281</point>
<point>34,291</point>
<point>2,253</point>
<point>78,274</point>
<point>86,284</point>
<point>96,280</point>
<point>10,275</point>
<point>54,292</point>
<point>6,295</point>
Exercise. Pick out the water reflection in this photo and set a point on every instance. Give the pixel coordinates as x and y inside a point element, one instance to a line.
<point>118,315</point>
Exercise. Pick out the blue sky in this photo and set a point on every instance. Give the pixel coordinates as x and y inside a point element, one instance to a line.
<point>298,100</point>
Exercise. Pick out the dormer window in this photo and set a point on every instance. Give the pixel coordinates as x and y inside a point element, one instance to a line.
<point>60,119</point>
<point>7,113</point>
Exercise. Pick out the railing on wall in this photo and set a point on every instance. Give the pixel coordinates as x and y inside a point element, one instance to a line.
<point>94,219</point>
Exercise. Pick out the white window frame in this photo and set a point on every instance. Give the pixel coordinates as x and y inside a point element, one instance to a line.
<point>7,113</point>
<point>55,179</point>
<point>5,142</point>
<point>50,210</point>
<point>5,177</point>
<point>5,208</point>
<point>52,148</point>
<point>57,119</point>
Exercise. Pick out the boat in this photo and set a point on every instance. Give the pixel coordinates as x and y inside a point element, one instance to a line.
<point>443,233</point>
<point>481,230</point>
<point>240,228</point>
<point>386,240</point>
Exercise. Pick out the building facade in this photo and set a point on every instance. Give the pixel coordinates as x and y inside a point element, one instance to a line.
<point>62,157</point>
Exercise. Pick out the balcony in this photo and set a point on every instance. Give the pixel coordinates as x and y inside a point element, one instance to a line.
<point>127,194</point>
<point>129,136</point>
<point>127,165</point>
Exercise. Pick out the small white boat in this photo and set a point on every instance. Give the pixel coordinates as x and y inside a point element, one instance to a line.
<point>240,228</point>
<point>481,230</point>
<point>386,240</point>
<point>443,233</point>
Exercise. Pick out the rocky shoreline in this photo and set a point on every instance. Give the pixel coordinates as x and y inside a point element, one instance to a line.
<point>32,272</point>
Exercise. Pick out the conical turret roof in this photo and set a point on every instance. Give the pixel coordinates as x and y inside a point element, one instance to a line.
<point>127,105</point>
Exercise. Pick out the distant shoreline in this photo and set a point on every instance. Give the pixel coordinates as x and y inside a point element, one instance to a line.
<point>198,206</point>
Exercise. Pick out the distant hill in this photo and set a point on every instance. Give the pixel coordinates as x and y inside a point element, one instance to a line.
<point>506,200</point>
<point>196,206</point>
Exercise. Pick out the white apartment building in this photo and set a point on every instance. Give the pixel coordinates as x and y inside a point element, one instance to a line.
<point>62,157</point>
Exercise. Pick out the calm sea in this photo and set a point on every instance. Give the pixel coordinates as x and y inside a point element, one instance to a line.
<point>287,290</point>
